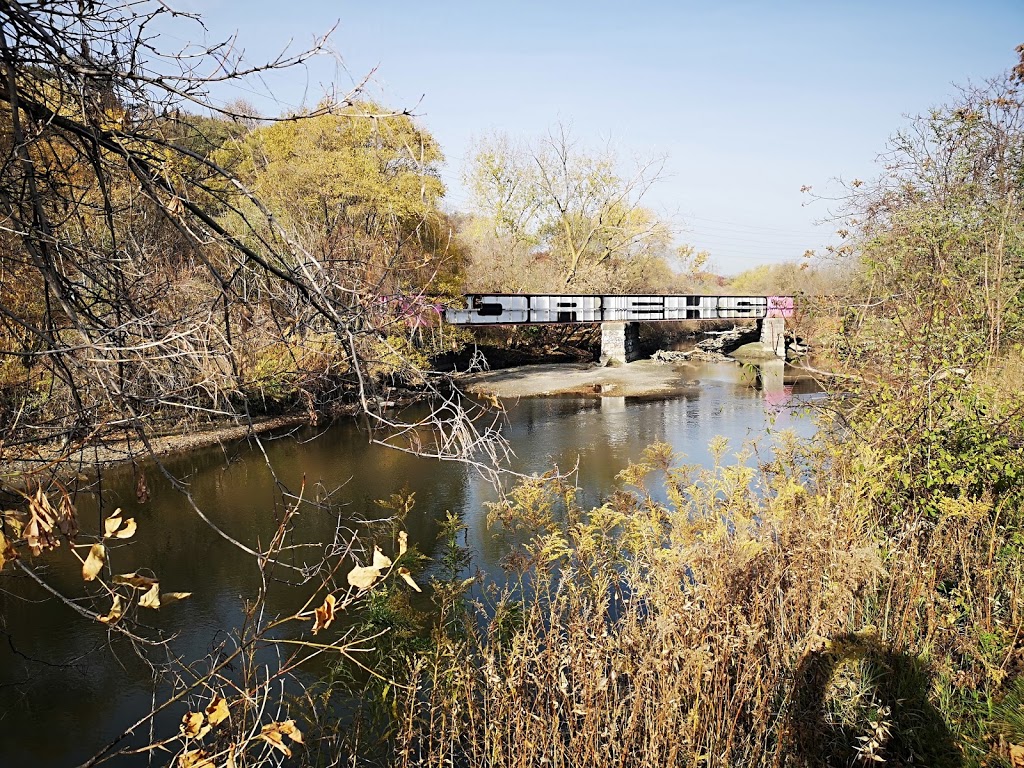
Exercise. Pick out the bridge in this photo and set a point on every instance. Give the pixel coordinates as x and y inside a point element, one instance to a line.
<point>619,315</point>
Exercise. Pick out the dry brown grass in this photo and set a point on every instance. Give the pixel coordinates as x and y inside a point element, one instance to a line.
<point>756,619</point>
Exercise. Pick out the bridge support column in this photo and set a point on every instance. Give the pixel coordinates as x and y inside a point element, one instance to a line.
<point>620,342</point>
<point>773,334</point>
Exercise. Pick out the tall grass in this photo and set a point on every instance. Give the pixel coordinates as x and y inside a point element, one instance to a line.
<point>759,617</point>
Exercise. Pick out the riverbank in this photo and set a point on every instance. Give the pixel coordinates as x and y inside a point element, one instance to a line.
<point>61,461</point>
<point>661,377</point>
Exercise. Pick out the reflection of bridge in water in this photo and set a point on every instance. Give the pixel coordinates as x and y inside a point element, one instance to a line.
<point>620,314</point>
<point>765,379</point>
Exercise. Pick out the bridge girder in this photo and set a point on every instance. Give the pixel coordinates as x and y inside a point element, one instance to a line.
<point>528,309</point>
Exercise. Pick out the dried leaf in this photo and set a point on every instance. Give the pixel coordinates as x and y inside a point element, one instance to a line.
<point>42,505</point>
<point>1017,755</point>
<point>324,615</point>
<point>129,529</point>
<point>94,562</point>
<point>39,532</point>
<point>362,577</point>
<point>134,579</point>
<point>407,577</point>
<point>217,711</point>
<point>193,725</point>
<point>273,736</point>
<point>67,517</point>
<point>112,523</point>
<point>6,551</point>
<point>115,526</point>
<point>15,522</point>
<point>196,758</point>
<point>172,597</point>
<point>116,612</point>
<point>403,543</point>
<point>152,598</point>
<point>141,489</point>
<point>288,729</point>
<point>380,560</point>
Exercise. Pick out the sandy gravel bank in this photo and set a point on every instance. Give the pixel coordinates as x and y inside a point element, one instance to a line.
<point>641,378</point>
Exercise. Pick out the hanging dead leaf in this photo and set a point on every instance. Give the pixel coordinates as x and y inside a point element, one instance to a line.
<point>41,502</point>
<point>94,562</point>
<point>407,578</point>
<point>172,597</point>
<point>39,532</point>
<point>217,711</point>
<point>324,615</point>
<point>141,489</point>
<point>67,517</point>
<point>288,729</point>
<point>6,551</point>
<point>362,577</point>
<point>380,560</point>
<point>14,521</point>
<point>194,726</point>
<point>117,527</point>
<point>152,598</point>
<point>112,523</point>
<point>116,612</point>
<point>272,735</point>
<point>196,758</point>
<point>403,543</point>
<point>134,579</point>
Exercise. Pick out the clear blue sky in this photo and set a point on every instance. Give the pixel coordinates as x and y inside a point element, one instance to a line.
<point>749,100</point>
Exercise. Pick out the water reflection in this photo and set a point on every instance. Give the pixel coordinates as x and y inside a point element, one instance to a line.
<point>613,404</point>
<point>63,693</point>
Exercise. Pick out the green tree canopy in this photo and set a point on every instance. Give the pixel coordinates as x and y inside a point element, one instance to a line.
<point>359,187</point>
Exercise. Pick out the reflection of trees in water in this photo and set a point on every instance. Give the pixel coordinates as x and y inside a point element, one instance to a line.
<point>44,650</point>
<point>857,702</point>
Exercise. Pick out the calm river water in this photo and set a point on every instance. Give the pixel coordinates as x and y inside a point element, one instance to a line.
<point>64,692</point>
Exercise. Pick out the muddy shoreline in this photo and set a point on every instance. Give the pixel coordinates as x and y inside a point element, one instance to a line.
<point>107,453</point>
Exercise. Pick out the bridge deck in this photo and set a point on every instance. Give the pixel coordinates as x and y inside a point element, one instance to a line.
<point>518,309</point>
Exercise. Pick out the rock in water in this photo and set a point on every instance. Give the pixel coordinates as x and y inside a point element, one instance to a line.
<point>725,342</point>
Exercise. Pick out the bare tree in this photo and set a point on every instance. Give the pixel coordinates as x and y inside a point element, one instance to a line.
<point>137,273</point>
<point>575,218</point>
<point>109,204</point>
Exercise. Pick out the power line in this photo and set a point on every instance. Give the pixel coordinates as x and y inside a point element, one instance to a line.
<point>732,240</point>
<point>768,236</point>
<point>796,243</point>
<point>748,226</point>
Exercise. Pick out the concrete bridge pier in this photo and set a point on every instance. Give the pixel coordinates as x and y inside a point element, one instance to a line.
<point>620,342</point>
<point>773,334</point>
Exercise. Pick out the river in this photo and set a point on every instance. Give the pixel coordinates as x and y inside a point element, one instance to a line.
<point>64,690</point>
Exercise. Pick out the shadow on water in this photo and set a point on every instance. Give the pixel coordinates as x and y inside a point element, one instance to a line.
<point>858,699</point>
